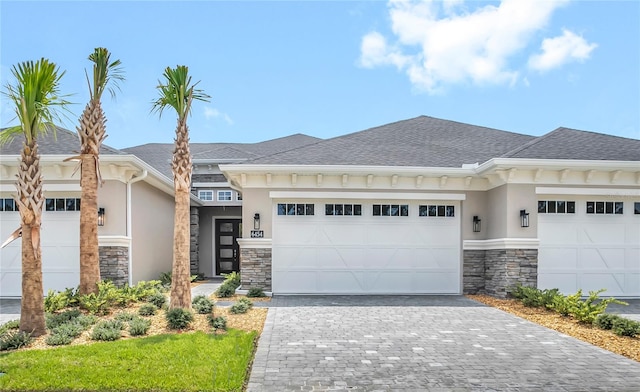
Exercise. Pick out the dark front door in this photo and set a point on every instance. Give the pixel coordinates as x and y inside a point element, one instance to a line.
<point>227,250</point>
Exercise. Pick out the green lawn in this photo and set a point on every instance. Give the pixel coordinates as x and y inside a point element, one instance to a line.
<point>177,362</point>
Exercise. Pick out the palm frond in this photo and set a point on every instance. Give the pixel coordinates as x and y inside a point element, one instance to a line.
<point>37,99</point>
<point>178,92</point>
<point>106,73</point>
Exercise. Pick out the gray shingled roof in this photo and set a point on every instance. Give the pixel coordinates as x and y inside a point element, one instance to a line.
<point>422,141</point>
<point>159,155</point>
<point>65,142</point>
<point>565,143</point>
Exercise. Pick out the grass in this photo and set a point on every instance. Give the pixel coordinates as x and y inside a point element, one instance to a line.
<point>177,362</point>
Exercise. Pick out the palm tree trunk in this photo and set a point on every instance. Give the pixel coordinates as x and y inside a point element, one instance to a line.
<point>30,202</point>
<point>92,133</point>
<point>180,276</point>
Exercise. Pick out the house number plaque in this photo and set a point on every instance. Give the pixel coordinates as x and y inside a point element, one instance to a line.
<point>257,233</point>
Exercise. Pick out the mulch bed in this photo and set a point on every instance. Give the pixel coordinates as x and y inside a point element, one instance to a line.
<point>623,345</point>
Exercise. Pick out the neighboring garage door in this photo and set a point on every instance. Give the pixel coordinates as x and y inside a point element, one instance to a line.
<point>366,247</point>
<point>589,243</point>
<point>59,238</point>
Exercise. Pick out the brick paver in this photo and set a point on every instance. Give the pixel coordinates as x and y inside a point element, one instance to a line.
<point>423,343</point>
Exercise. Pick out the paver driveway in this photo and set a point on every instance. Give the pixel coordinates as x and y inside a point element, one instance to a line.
<point>423,343</point>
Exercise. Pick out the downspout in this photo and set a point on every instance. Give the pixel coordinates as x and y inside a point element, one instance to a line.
<point>132,181</point>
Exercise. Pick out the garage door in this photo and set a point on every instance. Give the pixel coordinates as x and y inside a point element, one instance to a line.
<point>60,252</point>
<point>366,247</point>
<point>589,243</point>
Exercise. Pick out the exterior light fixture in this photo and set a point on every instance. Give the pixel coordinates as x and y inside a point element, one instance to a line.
<point>100,216</point>
<point>524,218</point>
<point>476,224</point>
<point>256,221</point>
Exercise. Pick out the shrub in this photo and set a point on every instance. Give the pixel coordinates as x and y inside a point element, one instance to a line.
<point>242,306</point>
<point>85,320</point>
<point>147,310</point>
<point>625,327</point>
<point>591,307</point>
<point>255,292</point>
<point>13,339</point>
<point>165,278</point>
<point>58,339</point>
<point>232,279</point>
<point>70,329</point>
<point>55,301</point>
<point>94,303</point>
<point>107,330</point>
<point>179,318</point>
<point>219,322</point>
<point>202,304</point>
<point>13,324</point>
<point>534,297</point>
<point>139,326</point>
<point>158,299</point>
<point>605,320</point>
<point>124,316</point>
<point>565,305</point>
<point>225,290</point>
<point>54,320</point>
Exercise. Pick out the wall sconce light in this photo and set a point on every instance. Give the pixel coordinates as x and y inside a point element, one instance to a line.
<point>476,224</point>
<point>256,221</point>
<point>524,218</point>
<point>100,216</point>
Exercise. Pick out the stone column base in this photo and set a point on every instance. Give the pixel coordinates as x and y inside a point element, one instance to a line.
<point>255,263</point>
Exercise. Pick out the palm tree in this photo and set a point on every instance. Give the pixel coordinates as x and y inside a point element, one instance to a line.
<point>36,99</point>
<point>178,93</point>
<point>92,133</point>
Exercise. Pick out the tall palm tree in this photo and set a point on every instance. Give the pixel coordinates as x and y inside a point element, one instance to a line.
<point>92,132</point>
<point>37,100</point>
<point>178,93</point>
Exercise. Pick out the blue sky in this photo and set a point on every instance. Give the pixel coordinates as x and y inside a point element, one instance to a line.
<point>328,68</point>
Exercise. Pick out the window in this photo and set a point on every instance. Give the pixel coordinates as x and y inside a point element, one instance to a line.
<point>605,207</point>
<point>224,195</point>
<point>295,209</point>
<point>390,210</point>
<point>343,209</point>
<point>636,208</point>
<point>238,196</point>
<point>437,210</point>
<point>62,204</point>
<point>205,195</point>
<point>556,207</point>
<point>8,205</point>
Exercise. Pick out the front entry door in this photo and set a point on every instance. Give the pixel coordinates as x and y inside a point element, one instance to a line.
<point>227,249</point>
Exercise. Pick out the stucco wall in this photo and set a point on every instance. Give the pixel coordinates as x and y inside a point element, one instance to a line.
<point>474,204</point>
<point>151,231</point>
<point>521,197</point>
<point>496,220</point>
<point>257,201</point>
<point>207,232</point>
<point>112,196</point>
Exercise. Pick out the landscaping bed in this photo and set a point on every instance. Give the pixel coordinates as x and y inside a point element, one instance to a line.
<point>623,345</point>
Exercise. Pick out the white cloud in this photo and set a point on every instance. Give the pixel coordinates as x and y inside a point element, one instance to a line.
<point>443,43</point>
<point>212,113</point>
<point>560,50</point>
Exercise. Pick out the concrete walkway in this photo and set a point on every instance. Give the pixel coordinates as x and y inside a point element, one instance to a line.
<point>423,343</point>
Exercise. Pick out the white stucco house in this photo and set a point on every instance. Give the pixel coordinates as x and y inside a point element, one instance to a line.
<point>420,206</point>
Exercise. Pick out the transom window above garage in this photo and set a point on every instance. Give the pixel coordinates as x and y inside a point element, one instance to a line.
<point>390,210</point>
<point>605,207</point>
<point>62,204</point>
<point>343,209</point>
<point>295,209</point>
<point>8,205</point>
<point>636,208</point>
<point>437,210</point>
<point>556,207</point>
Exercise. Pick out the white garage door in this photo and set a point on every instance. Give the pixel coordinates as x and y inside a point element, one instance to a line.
<point>589,243</point>
<point>360,247</point>
<point>60,252</point>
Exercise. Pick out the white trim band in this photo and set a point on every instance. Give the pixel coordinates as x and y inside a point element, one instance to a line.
<point>366,195</point>
<point>613,192</point>
<point>502,243</point>
<point>254,243</point>
<point>114,240</point>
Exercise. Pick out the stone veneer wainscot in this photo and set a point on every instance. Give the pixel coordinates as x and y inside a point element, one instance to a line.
<point>114,259</point>
<point>255,263</point>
